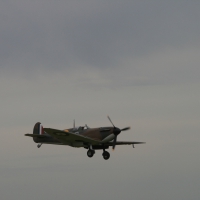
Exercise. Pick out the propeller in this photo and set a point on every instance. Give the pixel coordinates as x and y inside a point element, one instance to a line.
<point>116,132</point>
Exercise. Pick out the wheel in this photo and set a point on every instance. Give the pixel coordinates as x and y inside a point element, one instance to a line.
<point>106,155</point>
<point>90,153</point>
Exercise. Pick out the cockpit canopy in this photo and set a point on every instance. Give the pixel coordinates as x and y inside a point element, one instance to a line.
<point>80,128</point>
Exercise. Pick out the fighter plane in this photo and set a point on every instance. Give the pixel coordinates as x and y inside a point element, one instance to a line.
<point>82,136</point>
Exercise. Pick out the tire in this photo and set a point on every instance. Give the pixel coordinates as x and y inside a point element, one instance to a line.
<point>90,153</point>
<point>106,155</point>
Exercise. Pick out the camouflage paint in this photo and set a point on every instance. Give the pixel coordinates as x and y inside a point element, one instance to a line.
<point>102,135</point>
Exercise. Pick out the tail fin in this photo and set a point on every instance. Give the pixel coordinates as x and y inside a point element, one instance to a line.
<point>38,133</point>
<point>38,129</point>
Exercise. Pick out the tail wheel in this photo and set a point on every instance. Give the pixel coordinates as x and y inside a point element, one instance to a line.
<point>106,155</point>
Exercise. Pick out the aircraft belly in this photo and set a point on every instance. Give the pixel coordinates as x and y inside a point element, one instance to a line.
<point>77,144</point>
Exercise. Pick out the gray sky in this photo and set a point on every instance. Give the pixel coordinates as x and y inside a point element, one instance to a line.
<point>137,61</point>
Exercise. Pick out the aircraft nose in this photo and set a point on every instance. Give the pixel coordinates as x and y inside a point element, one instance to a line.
<point>116,131</point>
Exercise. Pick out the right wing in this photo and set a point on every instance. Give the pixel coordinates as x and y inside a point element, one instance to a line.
<point>124,143</point>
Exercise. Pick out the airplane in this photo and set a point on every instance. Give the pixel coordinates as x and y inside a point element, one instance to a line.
<point>82,136</point>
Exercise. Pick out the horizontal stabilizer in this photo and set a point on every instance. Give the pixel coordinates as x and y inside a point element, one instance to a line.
<point>36,135</point>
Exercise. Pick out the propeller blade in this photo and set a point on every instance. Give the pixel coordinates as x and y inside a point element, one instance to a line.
<point>114,142</point>
<point>116,132</point>
<point>111,121</point>
<point>125,129</point>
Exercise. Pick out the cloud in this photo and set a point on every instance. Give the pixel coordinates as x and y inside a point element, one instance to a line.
<point>137,61</point>
<point>56,35</point>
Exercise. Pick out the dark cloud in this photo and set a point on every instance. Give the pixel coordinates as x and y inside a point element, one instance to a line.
<point>56,34</point>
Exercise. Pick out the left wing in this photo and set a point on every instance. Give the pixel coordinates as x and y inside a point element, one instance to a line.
<point>68,137</point>
<point>36,135</point>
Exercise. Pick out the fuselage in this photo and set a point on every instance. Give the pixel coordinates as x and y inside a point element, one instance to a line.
<point>102,134</point>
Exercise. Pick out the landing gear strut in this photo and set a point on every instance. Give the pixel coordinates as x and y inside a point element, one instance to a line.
<point>106,155</point>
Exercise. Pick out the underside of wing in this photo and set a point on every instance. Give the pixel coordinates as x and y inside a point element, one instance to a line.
<point>69,138</point>
<point>124,143</point>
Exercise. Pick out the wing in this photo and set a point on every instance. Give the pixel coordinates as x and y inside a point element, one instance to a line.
<point>36,135</point>
<point>124,143</point>
<point>70,138</point>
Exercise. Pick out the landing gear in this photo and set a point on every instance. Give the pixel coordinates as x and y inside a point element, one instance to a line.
<point>106,155</point>
<point>90,153</point>
<point>39,145</point>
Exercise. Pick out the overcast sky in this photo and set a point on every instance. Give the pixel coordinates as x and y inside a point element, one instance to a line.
<point>137,61</point>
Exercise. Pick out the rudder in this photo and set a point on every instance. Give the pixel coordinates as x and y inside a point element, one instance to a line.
<point>38,129</point>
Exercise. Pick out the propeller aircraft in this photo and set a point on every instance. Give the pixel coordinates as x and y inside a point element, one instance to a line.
<point>82,136</point>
